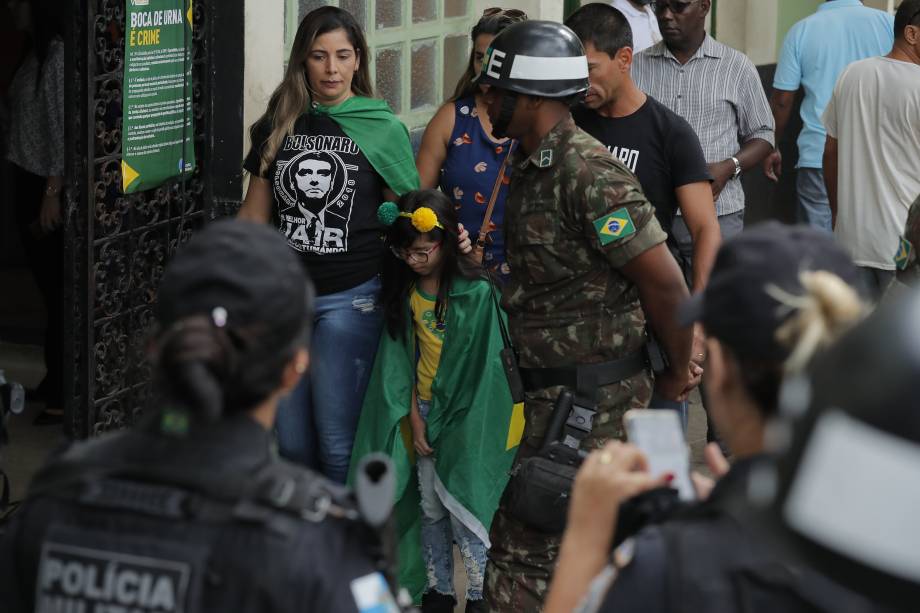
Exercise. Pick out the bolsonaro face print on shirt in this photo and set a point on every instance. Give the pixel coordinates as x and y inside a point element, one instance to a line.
<point>315,185</point>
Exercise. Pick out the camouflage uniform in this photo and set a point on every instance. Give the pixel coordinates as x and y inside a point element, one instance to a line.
<point>907,257</point>
<point>573,217</point>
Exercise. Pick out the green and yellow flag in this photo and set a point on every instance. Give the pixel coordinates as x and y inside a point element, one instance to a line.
<point>383,139</point>
<point>473,425</point>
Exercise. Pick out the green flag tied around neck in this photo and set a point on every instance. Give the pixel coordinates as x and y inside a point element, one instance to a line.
<point>382,138</point>
<point>473,425</point>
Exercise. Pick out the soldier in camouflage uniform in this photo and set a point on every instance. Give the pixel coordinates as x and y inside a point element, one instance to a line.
<point>584,248</point>
<point>907,258</point>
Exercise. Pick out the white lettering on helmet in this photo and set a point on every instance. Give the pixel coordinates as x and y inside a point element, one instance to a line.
<point>495,64</point>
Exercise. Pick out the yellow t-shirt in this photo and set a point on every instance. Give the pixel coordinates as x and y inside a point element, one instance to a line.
<point>430,335</point>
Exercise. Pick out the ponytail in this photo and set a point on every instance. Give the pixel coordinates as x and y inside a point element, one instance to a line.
<point>195,358</point>
<point>816,318</point>
<point>828,308</point>
<point>213,370</point>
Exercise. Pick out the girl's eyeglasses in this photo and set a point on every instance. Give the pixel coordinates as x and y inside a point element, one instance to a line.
<point>419,256</point>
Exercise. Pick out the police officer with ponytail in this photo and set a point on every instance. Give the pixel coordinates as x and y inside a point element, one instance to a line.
<point>588,266</point>
<point>191,510</point>
<point>778,298</point>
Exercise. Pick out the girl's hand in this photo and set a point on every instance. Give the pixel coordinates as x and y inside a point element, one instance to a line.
<point>464,245</point>
<point>419,440</point>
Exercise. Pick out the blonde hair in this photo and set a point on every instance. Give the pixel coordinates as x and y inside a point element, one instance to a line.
<point>827,309</point>
<point>292,97</point>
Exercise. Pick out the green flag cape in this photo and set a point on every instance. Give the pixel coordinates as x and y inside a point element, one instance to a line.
<point>382,138</point>
<point>473,425</point>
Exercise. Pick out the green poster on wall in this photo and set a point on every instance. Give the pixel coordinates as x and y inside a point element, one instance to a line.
<point>157,132</point>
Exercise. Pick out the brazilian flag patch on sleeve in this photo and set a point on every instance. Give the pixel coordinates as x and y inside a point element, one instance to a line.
<point>904,255</point>
<point>615,226</point>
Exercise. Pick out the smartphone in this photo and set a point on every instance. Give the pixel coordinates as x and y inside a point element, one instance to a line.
<point>660,436</point>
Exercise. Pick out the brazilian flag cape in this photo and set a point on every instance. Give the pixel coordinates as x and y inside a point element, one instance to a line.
<point>382,138</point>
<point>473,425</point>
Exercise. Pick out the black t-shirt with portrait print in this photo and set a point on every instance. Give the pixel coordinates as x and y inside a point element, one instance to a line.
<point>657,145</point>
<point>325,195</point>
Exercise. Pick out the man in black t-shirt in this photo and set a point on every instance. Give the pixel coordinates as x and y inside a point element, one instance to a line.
<point>655,143</point>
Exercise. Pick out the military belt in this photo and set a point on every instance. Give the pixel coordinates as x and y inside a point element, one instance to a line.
<point>575,377</point>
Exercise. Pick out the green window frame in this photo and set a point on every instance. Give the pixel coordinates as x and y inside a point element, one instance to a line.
<point>422,45</point>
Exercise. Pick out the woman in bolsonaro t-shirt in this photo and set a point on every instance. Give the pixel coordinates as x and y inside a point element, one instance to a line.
<point>324,156</point>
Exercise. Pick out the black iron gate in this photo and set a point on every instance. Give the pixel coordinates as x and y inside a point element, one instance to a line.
<point>117,245</point>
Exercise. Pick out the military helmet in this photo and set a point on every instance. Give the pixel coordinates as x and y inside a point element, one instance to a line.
<point>536,58</point>
<point>846,501</point>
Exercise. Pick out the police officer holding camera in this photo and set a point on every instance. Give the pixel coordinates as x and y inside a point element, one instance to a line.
<point>587,256</point>
<point>777,298</point>
<point>192,510</point>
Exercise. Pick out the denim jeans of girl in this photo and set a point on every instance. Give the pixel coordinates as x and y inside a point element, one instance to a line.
<point>440,528</point>
<point>316,423</point>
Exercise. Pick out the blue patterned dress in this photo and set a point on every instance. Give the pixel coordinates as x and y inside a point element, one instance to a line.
<point>468,175</point>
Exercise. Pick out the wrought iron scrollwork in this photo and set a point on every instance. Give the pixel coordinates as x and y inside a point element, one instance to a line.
<point>117,244</point>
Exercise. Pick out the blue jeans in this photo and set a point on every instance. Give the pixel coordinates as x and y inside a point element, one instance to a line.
<point>814,208</point>
<point>316,424</point>
<point>440,528</point>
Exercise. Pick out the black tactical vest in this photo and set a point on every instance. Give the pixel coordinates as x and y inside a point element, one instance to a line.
<point>716,565</point>
<point>133,523</point>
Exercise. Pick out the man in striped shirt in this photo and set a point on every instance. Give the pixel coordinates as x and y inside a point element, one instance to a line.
<point>718,91</point>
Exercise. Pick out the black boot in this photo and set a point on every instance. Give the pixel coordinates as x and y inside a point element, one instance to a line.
<point>433,602</point>
<point>476,606</point>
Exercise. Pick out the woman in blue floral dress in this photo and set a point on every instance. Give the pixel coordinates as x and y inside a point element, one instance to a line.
<point>459,153</point>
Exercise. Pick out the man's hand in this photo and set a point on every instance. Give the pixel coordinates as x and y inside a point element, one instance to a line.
<point>419,438</point>
<point>49,216</point>
<point>773,166</point>
<point>722,172</point>
<point>698,353</point>
<point>676,386</point>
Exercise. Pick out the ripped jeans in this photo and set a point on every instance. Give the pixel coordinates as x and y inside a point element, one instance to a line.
<point>440,528</point>
<point>316,423</point>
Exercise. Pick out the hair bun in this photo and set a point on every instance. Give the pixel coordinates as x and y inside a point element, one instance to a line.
<point>387,213</point>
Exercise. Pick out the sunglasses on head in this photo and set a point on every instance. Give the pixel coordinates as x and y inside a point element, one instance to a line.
<point>659,6</point>
<point>499,11</point>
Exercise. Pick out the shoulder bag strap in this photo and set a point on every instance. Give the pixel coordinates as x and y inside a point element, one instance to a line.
<point>484,229</point>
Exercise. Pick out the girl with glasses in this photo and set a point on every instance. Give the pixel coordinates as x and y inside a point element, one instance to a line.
<point>438,401</point>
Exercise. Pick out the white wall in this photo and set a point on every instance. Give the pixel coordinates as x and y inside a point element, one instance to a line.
<point>760,27</point>
<point>264,58</point>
